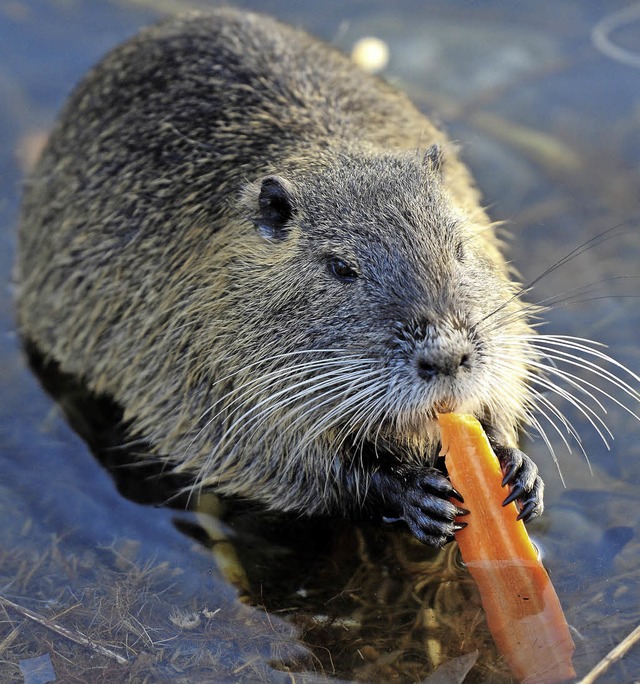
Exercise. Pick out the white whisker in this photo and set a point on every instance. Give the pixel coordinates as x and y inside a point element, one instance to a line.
<point>341,413</point>
<point>545,438</point>
<point>543,368</point>
<point>581,385</point>
<point>365,418</point>
<point>594,419</point>
<point>540,397</point>
<point>254,386</point>
<point>310,385</point>
<point>316,403</point>
<point>587,346</point>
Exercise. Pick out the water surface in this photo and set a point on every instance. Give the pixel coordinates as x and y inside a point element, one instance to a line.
<point>550,125</point>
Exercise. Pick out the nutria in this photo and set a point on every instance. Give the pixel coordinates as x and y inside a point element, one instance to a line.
<point>279,268</point>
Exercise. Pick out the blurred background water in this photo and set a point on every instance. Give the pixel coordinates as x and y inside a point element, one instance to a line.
<point>544,99</point>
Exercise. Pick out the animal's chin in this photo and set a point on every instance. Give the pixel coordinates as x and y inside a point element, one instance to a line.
<point>388,450</point>
<point>418,424</point>
<point>412,435</point>
<point>410,440</point>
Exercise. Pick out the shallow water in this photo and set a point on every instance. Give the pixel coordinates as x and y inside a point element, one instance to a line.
<point>551,127</point>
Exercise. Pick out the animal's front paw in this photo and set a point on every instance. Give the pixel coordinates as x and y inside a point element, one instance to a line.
<point>527,487</point>
<point>420,497</point>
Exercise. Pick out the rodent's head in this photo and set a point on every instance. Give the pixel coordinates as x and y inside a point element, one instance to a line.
<point>373,301</point>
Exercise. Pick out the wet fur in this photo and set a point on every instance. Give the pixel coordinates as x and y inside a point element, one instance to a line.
<point>149,267</point>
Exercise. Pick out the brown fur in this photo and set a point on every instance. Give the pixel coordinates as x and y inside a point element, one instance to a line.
<point>150,266</point>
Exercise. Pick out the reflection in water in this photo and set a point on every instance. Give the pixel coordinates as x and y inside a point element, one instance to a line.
<point>603,31</point>
<point>551,129</point>
<point>535,640</point>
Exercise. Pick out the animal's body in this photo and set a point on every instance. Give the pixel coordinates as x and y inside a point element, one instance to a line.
<point>278,267</point>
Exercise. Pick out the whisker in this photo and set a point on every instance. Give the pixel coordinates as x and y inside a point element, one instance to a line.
<point>580,290</point>
<point>336,380</point>
<point>564,420</point>
<point>568,425</point>
<point>581,384</point>
<point>544,407</point>
<point>279,357</point>
<point>347,411</point>
<point>594,419</point>
<point>578,383</point>
<point>356,379</point>
<point>310,385</point>
<point>592,242</point>
<point>551,346</point>
<point>545,438</point>
<point>254,415</point>
<point>366,417</point>
<point>531,311</point>
<point>360,401</point>
<point>255,385</point>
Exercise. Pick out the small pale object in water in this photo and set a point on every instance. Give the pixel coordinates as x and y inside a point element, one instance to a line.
<point>370,54</point>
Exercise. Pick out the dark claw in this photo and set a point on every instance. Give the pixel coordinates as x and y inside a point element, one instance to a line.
<point>456,495</point>
<point>420,497</point>
<point>528,511</point>
<point>516,493</point>
<point>511,473</point>
<point>526,485</point>
<point>459,526</point>
<point>532,505</point>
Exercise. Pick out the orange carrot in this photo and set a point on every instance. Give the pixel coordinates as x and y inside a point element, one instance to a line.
<point>520,603</point>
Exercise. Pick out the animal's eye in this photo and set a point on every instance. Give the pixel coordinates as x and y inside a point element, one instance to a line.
<point>341,270</point>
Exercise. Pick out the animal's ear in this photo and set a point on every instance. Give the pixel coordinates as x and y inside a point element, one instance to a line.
<point>275,208</point>
<point>433,159</point>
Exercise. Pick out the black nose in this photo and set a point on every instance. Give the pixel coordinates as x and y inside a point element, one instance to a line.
<point>430,366</point>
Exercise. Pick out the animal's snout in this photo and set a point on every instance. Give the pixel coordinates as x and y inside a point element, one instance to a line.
<point>437,350</point>
<point>430,366</point>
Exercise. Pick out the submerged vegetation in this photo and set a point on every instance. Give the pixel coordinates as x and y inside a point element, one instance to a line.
<point>256,597</point>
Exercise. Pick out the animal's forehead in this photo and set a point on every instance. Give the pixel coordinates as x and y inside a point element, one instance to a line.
<point>358,176</point>
<point>387,199</point>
